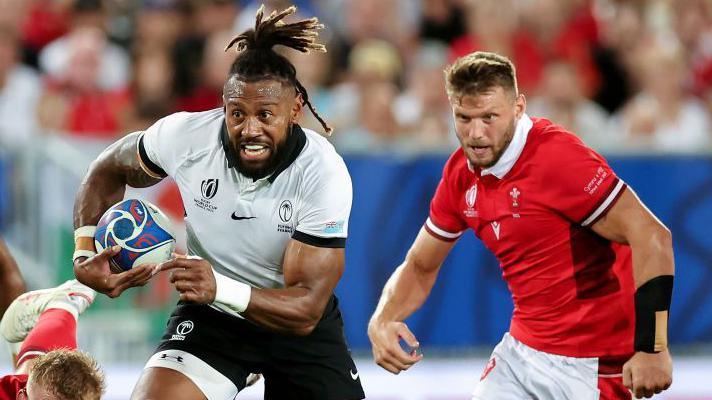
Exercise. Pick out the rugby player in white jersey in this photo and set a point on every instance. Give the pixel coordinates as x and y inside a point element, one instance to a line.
<point>267,206</point>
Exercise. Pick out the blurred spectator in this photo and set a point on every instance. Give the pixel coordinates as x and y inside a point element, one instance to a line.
<point>150,96</point>
<point>206,92</point>
<point>390,20</point>
<point>377,129</point>
<point>692,21</point>
<point>423,109</point>
<point>20,89</point>
<point>564,29</point>
<point>493,25</point>
<point>371,61</point>
<point>158,25</point>
<point>441,20</point>
<point>314,71</point>
<point>43,22</point>
<point>531,32</point>
<point>211,16</point>
<point>374,60</point>
<point>13,13</point>
<point>663,116</point>
<point>621,28</point>
<point>114,64</point>
<point>76,102</point>
<point>569,52</point>
<point>561,100</point>
<point>192,53</point>
<point>356,21</point>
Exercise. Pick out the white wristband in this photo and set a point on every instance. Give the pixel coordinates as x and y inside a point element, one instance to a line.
<point>83,253</point>
<point>231,293</point>
<point>85,231</point>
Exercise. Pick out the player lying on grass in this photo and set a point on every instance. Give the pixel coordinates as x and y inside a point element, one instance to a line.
<point>43,325</point>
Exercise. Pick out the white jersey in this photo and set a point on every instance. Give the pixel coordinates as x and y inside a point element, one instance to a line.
<point>239,225</point>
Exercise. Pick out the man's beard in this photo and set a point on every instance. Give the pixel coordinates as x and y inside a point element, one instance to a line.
<point>278,155</point>
<point>507,140</point>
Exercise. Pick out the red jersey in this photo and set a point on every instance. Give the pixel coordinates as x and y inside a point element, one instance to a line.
<point>573,290</point>
<point>10,385</point>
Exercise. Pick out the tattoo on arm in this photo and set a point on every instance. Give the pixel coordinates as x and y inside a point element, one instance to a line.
<point>105,183</point>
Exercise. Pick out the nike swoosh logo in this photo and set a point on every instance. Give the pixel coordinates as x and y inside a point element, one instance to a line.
<point>236,218</point>
<point>354,375</point>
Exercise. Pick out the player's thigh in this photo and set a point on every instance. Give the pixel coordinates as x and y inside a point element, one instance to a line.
<point>316,366</point>
<point>517,371</point>
<point>311,383</point>
<point>219,381</point>
<point>498,381</point>
<point>332,375</point>
<point>213,350</point>
<point>499,378</point>
<point>158,383</point>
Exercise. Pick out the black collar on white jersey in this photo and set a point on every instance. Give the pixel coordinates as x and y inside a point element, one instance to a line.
<point>296,141</point>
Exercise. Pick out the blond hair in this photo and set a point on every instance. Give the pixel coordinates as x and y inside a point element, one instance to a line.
<point>69,375</point>
<point>478,72</point>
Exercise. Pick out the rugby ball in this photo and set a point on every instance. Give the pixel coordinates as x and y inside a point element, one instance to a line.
<point>142,231</point>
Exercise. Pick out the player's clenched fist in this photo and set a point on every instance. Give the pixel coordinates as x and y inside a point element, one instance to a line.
<point>647,374</point>
<point>385,342</point>
<point>192,277</point>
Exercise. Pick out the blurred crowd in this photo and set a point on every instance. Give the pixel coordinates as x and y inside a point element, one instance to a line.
<point>624,75</point>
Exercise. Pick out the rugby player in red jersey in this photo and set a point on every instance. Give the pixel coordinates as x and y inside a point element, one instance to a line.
<point>43,325</point>
<point>590,268</point>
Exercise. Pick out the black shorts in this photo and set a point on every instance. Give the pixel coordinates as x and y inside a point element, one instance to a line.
<point>316,366</point>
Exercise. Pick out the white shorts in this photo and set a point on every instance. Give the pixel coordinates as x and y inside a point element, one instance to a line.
<point>516,371</point>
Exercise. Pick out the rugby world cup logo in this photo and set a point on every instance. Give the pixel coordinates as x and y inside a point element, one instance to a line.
<point>209,188</point>
<point>471,196</point>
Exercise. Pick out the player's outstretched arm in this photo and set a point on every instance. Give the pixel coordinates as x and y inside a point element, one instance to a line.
<point>405,291</point>
<point>11,280</point>
<point>649,371</point>
<point>104,185</point>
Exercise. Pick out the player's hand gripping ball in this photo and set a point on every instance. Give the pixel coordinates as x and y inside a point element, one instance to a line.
<point>142,231</point>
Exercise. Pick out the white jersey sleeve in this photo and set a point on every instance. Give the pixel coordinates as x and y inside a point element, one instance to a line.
<point>169,142</point>
<point>323,217</point>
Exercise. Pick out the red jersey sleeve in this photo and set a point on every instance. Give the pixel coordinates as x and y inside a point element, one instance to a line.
<point>10,385</point>
<point>582,184</point>
<point>445,221</point>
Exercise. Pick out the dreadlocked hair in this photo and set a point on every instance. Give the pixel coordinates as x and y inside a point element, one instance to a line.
<point>257,60</point>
